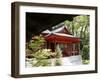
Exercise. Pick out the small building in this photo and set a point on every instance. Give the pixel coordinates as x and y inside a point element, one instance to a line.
<point>69,44</point>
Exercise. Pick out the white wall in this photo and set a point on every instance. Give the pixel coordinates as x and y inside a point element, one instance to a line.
<point>5,40</point>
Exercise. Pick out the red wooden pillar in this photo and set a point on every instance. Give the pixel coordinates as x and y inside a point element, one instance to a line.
<point>79,52</point>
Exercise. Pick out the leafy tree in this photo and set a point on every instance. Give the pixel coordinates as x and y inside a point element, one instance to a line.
<point>79,27</point>
<point>35,49</point>
<point>85,50</point>
<point>36,43</point>
<point>42,57</point>
<point>58,56</point>
<point>42,54</point>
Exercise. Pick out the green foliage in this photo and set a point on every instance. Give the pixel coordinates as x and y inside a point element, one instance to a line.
<point>29,53</point>
<point>58,52</point>
<point>79,27</point>
<point>85,61</point>
<point>58,62</point>
<point>37,42</point>
<point>42,62</point>
<point>34,45</point>
<point>35,49</point>
<point>58,56</point>
<point>42,54</point>
<point>41,57</point>
<point>85,52</point>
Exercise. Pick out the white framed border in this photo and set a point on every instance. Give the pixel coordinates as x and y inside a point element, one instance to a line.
<point>53,10</point>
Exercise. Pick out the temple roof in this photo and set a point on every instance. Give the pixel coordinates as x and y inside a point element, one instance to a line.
<point>62,30</point>
<point>60,35</point>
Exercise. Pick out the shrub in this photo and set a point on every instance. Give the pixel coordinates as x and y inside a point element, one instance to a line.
<point>58,62</point>
<point>42,57</point>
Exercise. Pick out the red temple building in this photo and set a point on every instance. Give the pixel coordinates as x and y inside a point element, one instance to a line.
<point>69,44</point>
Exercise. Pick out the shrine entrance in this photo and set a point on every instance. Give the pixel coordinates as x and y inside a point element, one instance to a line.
<point>70,49</point>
